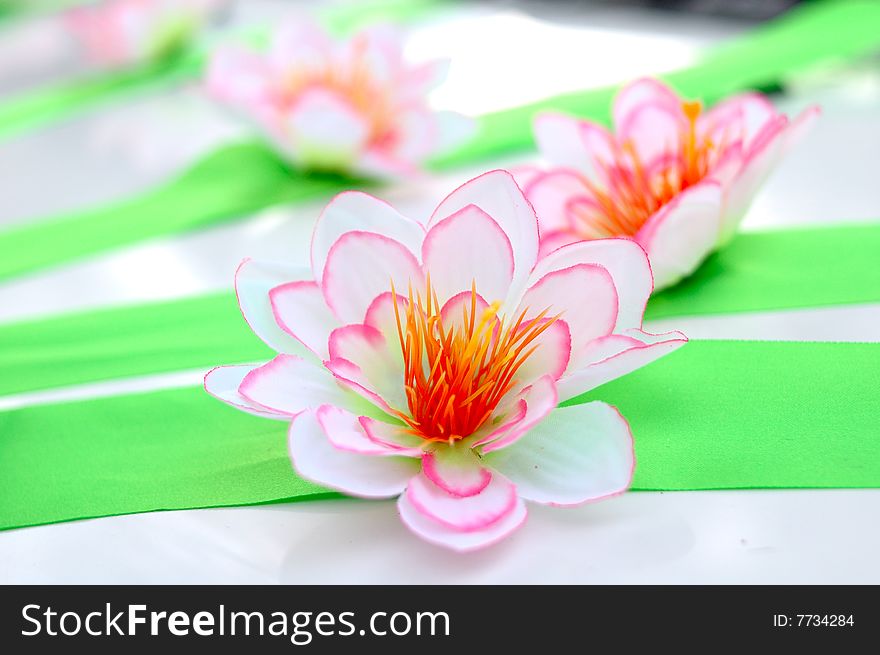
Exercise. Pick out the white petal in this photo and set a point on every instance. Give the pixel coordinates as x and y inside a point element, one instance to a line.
<point>316,459</point>
<point>289,385</point>
<point>355,211</point>
<point>683,233</point>
<point>299,308</point>
<point>223,382</point>
<point>253,281</point>
<point>441,535</point>
<point>578,454</point>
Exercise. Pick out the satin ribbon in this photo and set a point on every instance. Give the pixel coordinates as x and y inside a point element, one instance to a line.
<point>712,415</point>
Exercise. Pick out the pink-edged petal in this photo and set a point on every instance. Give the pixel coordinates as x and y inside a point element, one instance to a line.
<point>325,131</point>
<point>524,174</point>
<point>801,126</point>
<point>574,143</point>
<point>354,211</point>
<point>391,436</point>
<point>382,315</point>
<point>378,49</point>
<point>578,454</point>
<point>540,399</point>
<point>237,76</point>
<point>362,266</point>
<point>299,308</point>
<point>497,194</point>
<point>289,385</point>
<point>641,92</point>
<point>554,240</point>
<point>362,355</point>
<point>346,431</point>
<point>456,469</point>
<point>586,297</point>
<point>758,162</point>
<point>317,459</point>
<point>465,249</point>
<point>300,44</point>
<point>728,165</point>
<point>683,233</point>
<point>624,260</point>
<point>616,355</point>
<point>416,134</point>
<point>654,130</point>
<point>460,308</point>
<point>471,513</point>
<point>223,382</point>
<point>436,533</point>
<point>740,117</point>
<point>552,352</point>
<point>551,194</point>
<point>253,282</point>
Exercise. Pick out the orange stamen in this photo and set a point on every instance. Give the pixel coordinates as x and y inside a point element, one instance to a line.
<point>632,193</point>
<point>455,375</point>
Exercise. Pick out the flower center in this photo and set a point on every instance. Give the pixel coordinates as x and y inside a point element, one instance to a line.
<point>633,192</point>
<point>355,83</point>
<point>457,368</point>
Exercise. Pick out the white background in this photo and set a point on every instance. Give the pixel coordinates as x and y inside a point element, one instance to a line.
<point>500,58</point>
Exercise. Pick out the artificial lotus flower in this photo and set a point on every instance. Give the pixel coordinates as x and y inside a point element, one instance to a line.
<point>672,177</point>
<point>354,106</point>
<point>427,363</point>
<point>122,32</point>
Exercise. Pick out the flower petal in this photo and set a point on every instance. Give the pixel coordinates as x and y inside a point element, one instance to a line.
<point>643,91</point>
<point>551,194</point>
<point>361,266</point>
<point>360,354</point>
<point>497,194</point>
<point>578,454</point>
<point>253,281</point>
<point>585,295</point>
<point>456,470</point>
<point>237,76</point>
<point>299,308</point>
<point>353,211</point>
<point>441,535</point>
<point>624,260</point>
<point>540,399</point>
<point>289,385</point>
<point>326,130</point>
<point>316,459</point>
<point>473,512</point>
<point>346,432</point>
<point>574,144</point>
<point>683,233</point>
<point>739,117</point>
<point>616,355</point>
<point>758,163</point>
<point>223,382</point>
<point>552,352</point>
<point>465,249</point>
<point>655,130</point>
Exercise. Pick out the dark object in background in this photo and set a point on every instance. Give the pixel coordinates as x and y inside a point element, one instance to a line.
<point>746,10</point>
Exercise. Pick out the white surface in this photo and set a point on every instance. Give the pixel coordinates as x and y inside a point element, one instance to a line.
<point>731,536</point>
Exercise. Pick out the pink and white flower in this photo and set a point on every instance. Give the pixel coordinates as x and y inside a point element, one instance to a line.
<point>122,32</point>
<point>427,362</point>
<point>355,106</point>
<point>676,180</point>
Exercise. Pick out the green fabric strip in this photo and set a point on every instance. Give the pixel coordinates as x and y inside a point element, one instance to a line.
<point>781,269</point>
<point>713,415</point>
<point>240,179</point>
<point>758,271</point>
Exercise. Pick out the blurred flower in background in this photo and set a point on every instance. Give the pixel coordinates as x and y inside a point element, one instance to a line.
<point>121,32</point>
<point>352,106</point>
<point>674,178</point>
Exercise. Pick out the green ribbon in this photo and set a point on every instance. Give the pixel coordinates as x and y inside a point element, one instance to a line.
<point>237,180</point>
<point>713,415</point>
<point>758,271</point>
